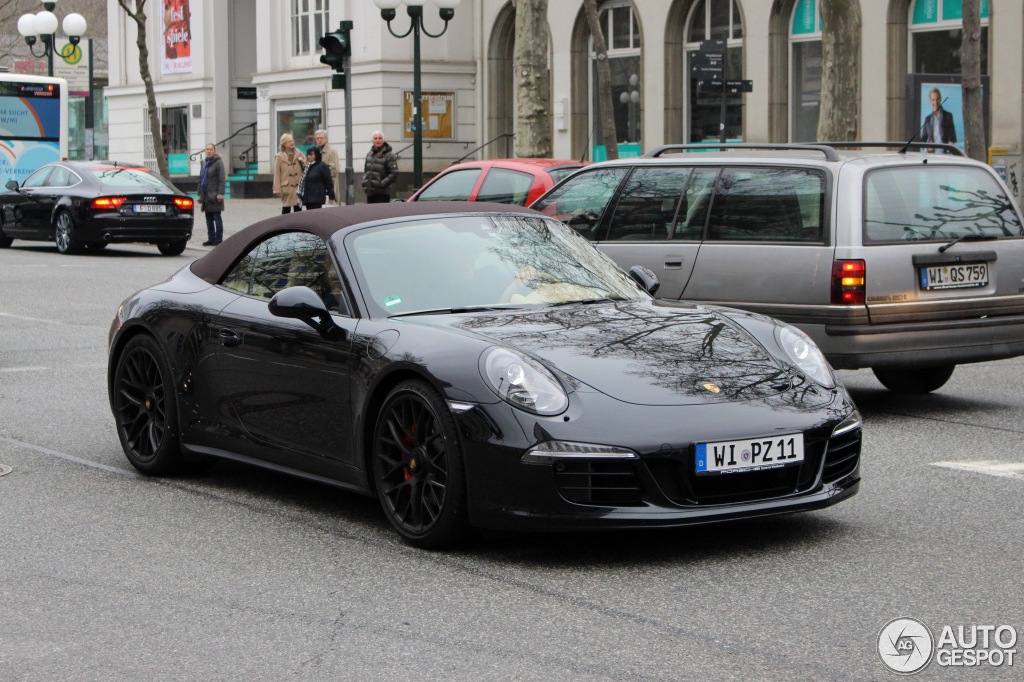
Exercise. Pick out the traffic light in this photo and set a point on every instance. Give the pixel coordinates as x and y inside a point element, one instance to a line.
<point>338,48</point>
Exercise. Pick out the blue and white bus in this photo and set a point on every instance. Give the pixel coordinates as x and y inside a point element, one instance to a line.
<point>33,123</point>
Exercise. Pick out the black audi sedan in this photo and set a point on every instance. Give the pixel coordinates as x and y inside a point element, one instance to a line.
<point>475,365</point>
<point>89,204</point>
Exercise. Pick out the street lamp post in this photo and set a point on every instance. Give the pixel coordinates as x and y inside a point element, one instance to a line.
<point>414,8</point>
<point>44,25</point>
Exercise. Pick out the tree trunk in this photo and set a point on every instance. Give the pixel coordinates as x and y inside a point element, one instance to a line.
<point>139,17</point>
<point>533,80</point>
<point>970,60</point>
<point>605,112</point>
<point>840,73</point>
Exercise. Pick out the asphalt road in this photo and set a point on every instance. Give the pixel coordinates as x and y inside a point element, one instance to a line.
<point>241,574</point>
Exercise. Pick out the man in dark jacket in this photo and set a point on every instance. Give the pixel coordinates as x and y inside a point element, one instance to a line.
<point>380,171</point>
<point>211,195</point>
<point>938,126</point>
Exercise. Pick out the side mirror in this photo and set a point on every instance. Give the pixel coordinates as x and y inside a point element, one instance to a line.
<point>646,278</point>
<point>302,303</point>
<point>12,185</point>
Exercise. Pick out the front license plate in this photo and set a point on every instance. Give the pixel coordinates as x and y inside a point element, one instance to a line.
<point>958,276</point>
<point>749,455</point>
<point>149,208</point>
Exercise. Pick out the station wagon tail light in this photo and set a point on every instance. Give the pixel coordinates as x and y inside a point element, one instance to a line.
<point>848,282</point>
<point>183,202</point>
<point>108,202</point>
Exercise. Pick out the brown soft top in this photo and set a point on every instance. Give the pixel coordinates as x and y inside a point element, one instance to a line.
<point>324,222</point>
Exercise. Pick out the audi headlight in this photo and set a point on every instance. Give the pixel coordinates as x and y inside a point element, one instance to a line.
<point>805,355</point>
<point>523,382</point>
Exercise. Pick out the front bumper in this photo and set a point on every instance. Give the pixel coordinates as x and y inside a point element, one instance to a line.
<point>658,487</point>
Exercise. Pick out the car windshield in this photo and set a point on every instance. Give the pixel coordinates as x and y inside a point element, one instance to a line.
<point>127,177</point>
<point>936,203</point>
<point>459,262</point>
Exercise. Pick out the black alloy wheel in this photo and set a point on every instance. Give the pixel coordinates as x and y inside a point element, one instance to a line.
<point>417,467</point>
<point>145,409</point>
<point>64,234</point>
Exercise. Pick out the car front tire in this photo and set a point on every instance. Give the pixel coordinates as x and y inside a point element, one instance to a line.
<point>145,409</point>
<point>418,467</point>
<point>916,381</point>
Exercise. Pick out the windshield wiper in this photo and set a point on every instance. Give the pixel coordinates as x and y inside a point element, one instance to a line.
<point>586,301</point>
<point>457,310</point>
<point>972,237</point>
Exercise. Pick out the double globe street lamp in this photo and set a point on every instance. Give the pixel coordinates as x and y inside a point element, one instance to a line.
<point>44,25</point>
<point>414,8</point>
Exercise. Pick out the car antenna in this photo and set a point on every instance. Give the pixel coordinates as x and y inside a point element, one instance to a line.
<point>912,137</point>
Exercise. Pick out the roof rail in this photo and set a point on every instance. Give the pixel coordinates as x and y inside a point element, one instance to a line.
<point>829,152</point>
<point>948,148</point>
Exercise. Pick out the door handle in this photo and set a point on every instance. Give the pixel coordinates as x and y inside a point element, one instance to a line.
<point>674,262</point>
<point>229,338</point>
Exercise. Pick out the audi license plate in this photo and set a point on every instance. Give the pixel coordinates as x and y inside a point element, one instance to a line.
<point>749,455</point>
<point>958,276</point>
<point>149,208</point>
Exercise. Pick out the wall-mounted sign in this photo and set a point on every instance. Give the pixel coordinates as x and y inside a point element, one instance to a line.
<point>245,93</point>
<point>438,115</point>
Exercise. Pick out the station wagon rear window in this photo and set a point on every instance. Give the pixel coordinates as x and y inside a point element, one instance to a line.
<point>936,203</point>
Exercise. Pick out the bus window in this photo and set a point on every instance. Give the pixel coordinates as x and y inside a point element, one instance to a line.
<point>33,124</point>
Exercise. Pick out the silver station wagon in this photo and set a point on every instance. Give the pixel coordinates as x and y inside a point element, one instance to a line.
<point>907,262</point>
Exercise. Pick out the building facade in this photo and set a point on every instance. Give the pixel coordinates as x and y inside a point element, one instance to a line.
<point>253,66</point>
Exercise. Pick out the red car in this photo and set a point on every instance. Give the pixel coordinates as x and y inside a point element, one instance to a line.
<point>502,181</point>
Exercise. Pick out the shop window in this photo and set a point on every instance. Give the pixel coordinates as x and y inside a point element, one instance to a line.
<point>936,31</point>
<point>622,37</point>
<point>174,132</point>
<point>805,78</point>
<point>715,20</point>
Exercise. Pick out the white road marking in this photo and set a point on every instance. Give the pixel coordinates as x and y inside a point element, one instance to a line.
<point>987,466</point>
<point>67,457</point>
<point>24,369</point>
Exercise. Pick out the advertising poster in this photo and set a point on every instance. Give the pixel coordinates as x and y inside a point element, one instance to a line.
<point>176,30</point>
<point>942,113</point>
<point>29,128</point>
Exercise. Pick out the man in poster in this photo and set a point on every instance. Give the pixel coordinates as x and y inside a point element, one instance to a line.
<point>938,126</point>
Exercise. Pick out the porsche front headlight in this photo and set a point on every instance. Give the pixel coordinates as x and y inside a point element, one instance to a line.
<point>523,382</point>
<point>803,353</point>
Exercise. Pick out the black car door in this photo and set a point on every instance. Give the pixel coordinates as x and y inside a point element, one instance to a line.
<point>286,387</point>
<point>27,211</point>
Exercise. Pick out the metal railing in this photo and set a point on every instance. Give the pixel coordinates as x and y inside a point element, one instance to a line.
<point>244,156</point>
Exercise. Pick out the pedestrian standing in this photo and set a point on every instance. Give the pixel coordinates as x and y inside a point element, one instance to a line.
<point>316,187</point>
<point>288,166</point>
<point>380,171</point>
<point>211,195</point>
<point>331,158</point>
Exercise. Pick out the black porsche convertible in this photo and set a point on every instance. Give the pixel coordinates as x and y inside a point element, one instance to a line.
<point>475,365</point>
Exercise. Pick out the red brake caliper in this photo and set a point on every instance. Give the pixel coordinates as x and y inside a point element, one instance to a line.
<point>408,442</point>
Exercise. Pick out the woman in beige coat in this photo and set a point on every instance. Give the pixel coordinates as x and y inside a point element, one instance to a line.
<point>288,166</point>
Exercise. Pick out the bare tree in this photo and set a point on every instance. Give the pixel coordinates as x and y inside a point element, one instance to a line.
<point>139,17</point>
<point>840,73</point>
<point>533,79</point>
<point>606,114</point>
<point>970,63</point>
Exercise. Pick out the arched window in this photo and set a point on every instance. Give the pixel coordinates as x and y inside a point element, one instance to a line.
<point>622,37</point>
<point>715,20</point>
<point>805,79</point>
<point>936,32</point>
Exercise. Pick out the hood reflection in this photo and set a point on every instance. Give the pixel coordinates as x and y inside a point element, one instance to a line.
<point>639,352</point>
